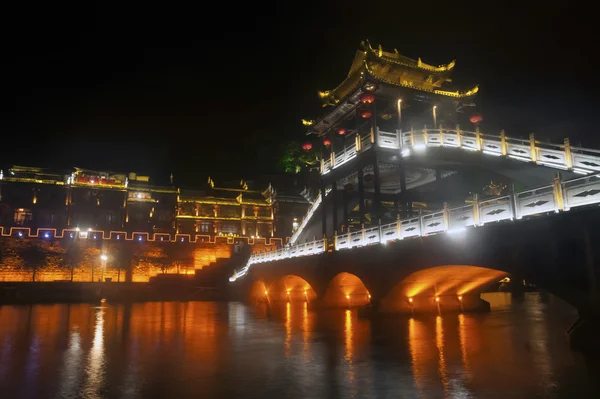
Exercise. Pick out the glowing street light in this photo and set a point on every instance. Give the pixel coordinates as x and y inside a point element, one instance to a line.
<point>410,300</point>
<point>434,117</point>
<point>103,258</point>
<point>437,298</point>
<point>460,297</point>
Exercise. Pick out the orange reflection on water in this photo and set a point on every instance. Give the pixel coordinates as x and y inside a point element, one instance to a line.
<point>288,329</point>
<point>96,361</point>
<point>348,336</point>
<point>462,332</point>
<point>439,342</point>
<point>415,330</point>
<point>305,330</point>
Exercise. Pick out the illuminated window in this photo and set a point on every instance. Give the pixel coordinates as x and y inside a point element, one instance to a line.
<point>136,195</point>
<point>22,216</point>
<point>205,227</point>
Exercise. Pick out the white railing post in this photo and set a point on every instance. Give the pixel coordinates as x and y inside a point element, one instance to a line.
<point>446,217</point>
<point>558,193</point>
<point>532,149</point>
<point>363,233</point>
<point>399,137</point>
<point>475,210</point>
<point>568,158</point>
<point>503,143</point>
<point>513,201</point>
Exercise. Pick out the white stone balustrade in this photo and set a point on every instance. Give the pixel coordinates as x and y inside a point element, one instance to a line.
<point>560,156</point>
<point>556,197</point>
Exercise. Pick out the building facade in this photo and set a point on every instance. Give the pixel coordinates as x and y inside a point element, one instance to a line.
<point>113,203</point>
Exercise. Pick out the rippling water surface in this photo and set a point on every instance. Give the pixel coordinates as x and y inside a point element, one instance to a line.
<point>232,350</point>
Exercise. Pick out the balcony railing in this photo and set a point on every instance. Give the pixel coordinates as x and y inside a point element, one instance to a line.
<point>560,156</point>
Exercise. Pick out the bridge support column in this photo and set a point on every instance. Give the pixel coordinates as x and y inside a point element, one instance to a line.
<point>345,196</point>
<point>403,193</point>
<point>334,204</point>
<point>438,184</point>
<point>324,210</point>
<point>361,196</point>
<point>377,194</point>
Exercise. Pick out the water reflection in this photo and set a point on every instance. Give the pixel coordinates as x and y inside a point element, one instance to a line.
<point>95,366</point>
<point>70,374</point>
<point>462,334</point>
<point>232,350</point>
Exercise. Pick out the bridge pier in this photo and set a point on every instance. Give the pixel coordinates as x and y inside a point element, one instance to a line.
<point>433,304</point>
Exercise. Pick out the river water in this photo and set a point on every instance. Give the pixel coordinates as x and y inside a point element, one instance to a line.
<point>232,350</point>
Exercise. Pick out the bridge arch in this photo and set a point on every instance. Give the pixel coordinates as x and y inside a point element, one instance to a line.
<point>346,290</point>
<point>452,287</point>
<point>291,288</point>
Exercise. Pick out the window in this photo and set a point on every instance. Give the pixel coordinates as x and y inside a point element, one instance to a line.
<point>22,216</point>
<point>205,227</point>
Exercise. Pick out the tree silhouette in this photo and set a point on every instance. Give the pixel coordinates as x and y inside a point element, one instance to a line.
<point>123,256</point>
<point>176,254</point>
<point>73,257</point>
<point>33,257</point>
<point>164,261</point>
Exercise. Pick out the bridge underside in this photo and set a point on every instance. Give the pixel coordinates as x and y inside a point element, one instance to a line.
<point>555,252</point>
<point>452,287</point>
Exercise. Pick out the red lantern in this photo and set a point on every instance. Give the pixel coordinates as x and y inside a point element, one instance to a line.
<point>366,114</point>
<point>307,146</point>
<point>367,98</point>
<point>327,142</point>
<point>341,131</point>
<point>476,119</point>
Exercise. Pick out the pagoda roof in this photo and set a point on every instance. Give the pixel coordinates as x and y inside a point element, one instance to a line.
<point>384,67</point>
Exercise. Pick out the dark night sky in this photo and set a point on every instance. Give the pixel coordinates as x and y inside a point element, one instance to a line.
<point>199,92</point>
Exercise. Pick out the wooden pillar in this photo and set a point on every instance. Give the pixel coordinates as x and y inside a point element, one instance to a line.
<point>334,205</point>
<point>377,194</point>
<point>345,196</point>
<point>374,138</point>
<point>323,210</point>
<point>403,193</point>
<point>438,184</point>
<point>361,196</point>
